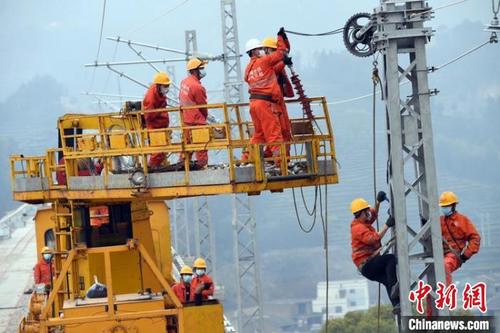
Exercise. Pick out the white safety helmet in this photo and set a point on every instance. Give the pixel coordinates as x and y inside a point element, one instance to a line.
<point>253,44</point>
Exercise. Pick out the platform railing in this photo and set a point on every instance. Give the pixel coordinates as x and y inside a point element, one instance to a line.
<point>114,143</point>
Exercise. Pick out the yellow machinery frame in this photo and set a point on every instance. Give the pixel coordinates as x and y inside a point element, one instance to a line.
<point>95,137</point>
<point>173,307</point>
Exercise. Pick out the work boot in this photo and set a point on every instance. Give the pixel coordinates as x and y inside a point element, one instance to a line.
<point>396,310</point>
<point>297,168</point>
<point>271,170</point>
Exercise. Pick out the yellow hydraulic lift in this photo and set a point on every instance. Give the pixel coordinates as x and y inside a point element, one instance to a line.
<point>113,224</point>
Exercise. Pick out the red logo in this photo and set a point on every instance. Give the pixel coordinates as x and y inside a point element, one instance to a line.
<point>473,297</point>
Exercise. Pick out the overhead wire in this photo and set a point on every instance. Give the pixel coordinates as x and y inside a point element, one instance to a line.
<point>328,33</point>
<point>438,8</point>
<point>375,80</point>
<point>492,39</point>
<point>100,43</point>
<point>101,30</point>
<point>168,11</point>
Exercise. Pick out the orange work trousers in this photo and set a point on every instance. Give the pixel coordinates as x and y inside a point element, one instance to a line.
<point>201,156</point>
<point>286,129</point>
<point>266,121</point>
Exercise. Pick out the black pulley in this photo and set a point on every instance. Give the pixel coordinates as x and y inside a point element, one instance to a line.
<point>358,34</point>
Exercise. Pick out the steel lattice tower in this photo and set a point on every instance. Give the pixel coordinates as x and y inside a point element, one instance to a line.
<point>401,38</point>
<point>180,228</point>
<point>245,246</point>
<point>203,231</point>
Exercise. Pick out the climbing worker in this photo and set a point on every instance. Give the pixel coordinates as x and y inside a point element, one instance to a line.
<point>202,284</point>
<point>270,45</point>
<point>183,289</point>
<point>156,98</point>
<point>366,246</point>
<point>265,92</point>
<point>460,237</point>
<point>44,269</point>
<point>193,93</point>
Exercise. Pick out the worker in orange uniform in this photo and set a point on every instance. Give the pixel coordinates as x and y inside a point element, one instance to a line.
<point>44,269</point>
<point>366,246</point>
<point>202,283</point>
<point>156,98</point>
<point>460,237</point>
<point>183,289</point>
<point>270,45</point>
<point>265,92</point>
<point>193,93</point>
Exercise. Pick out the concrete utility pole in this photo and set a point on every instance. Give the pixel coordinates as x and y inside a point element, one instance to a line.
<point>401,38</point>
<point>249,295</point>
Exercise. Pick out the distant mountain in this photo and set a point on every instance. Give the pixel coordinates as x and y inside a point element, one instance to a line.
<point>35,104</point>
<point>29,121</point>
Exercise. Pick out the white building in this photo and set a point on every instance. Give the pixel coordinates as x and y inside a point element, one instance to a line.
<point>343,296</point>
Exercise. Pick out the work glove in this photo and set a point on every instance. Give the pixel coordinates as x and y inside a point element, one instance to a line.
<point>381,196</point>
<point>287,60</point>
<point>199,288</point>
<point>463,258</point>
<point>282,33</point>
<point>391,222</point>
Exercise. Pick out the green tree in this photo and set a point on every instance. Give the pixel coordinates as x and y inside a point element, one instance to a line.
<point>364,321</point>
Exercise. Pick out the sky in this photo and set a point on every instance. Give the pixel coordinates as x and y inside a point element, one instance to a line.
<point>57,38</point>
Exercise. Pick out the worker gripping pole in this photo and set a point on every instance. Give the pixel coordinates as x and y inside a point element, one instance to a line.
<point>412,171</point>
<point>248,284</point>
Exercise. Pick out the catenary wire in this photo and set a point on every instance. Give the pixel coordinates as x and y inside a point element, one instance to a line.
<point>168,11</point>
<point>99,45</point>
<point>438,8</point>
<point>328,33</point>
<point>489,41</point>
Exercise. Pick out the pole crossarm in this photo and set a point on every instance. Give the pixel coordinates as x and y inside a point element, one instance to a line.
<point>201,55</point>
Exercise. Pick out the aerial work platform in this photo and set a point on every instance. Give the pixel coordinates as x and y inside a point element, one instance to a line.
<point>105,157</point>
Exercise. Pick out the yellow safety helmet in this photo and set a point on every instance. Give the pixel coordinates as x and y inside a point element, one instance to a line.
<point>46,249</point>
<point>448,199</point>
<point>200,263</point>
<point>186,270</point>
<point>195,63</point>
<point>270,42</point>
<point>162,78</point>
<point>358,205</point>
